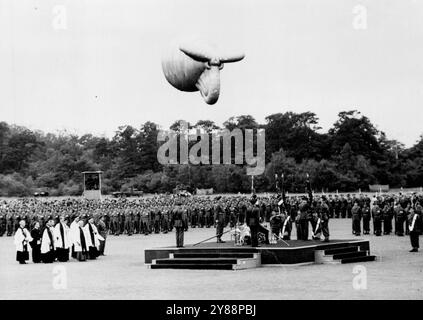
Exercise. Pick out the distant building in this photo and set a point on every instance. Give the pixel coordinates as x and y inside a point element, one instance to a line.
<point>92,184</point>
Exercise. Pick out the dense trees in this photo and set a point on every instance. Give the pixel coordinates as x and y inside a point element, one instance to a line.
<point>351,155</point>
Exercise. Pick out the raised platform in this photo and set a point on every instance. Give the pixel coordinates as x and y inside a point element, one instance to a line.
<point>289,253</point>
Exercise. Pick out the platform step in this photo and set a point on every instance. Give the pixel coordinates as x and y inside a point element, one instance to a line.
<point>215,255</point>
<point>217,250</point>
<point>193,266</point>
<point>340,255</point>
<point>341,250</point>
<point>197,261</point>
<point>350,255</point>
<point>359,259</point>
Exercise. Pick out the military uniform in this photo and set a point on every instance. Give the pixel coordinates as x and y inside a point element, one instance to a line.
<point>165,221</point>
<point>349,207</point>
<point>356,219</point>
<point>377,220</point>
<point>145,226</point>
<point>178,222</point>
<point>302,221</point>
<point>137,222</point>
<point>344,204</point>
<point>286,227</point>
<point>337,207</point>
<point>3,223</point>
<point>325,215</point>
<point>219,217</point>
<point>170,220</point>
<point>276,223</point>
<point>208,218</point>
<point>194,218</point>
<point>366,219</point>
<point>114,225</point>
<point>400,218</point>
<point>151,219</point>
<point>157,218</point>
<point>253,221</point>
<point>121,223</point>
<point>102,231</point>
<point>387,219</point>
<point>129,223</point>
<point>415,227</point>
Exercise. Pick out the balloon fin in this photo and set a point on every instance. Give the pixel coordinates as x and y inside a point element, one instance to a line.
<point>232,58</point>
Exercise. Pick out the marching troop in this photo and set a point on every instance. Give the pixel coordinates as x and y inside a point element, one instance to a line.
<point>58,229</point>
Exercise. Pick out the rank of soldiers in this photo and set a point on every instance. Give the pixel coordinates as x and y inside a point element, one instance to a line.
<point>62,221</point>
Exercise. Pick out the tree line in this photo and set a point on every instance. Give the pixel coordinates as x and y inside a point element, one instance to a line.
<point>352,155</point>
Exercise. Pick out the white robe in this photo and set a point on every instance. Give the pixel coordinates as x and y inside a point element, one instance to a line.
<point>87,236</point>
<point>45,240</point>
<point>58,236</point>
<point>97,236</point>
<point>21,236</point>
<point>74,232</point>
<point>76,238</point>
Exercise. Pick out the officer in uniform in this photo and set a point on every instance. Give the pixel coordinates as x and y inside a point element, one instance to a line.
<point>253,220</point>
<point>157,218</point>
<point>387,218</point>
<point>107,221</point>
<point>129,223</point>
<point>400,218</point>
<point>366,217</point>
<point>137,222</point>
<point>185,216</point>
<point>349,206</point>
<point>151,218</point>
<point>165,221</point>
<point>144,223</point>
<point>115,224</point>
<point>242,212</point>
<point>316,222</point>
<point>377,219</point>
<point>194,217</point>
<point>286,225</point>
<point>337,206</point>
<point>331,204</point>
<point>102,230</point>
<point>2,224</point>
<point>324,216</point>
<point>302,220</point>
<point>276,223</point>
<point>208,217</point>
<point>178,223</point>
<point>233,216</point>
<point>344,204</point>
<point>415,227</point>
<point>170,219</point>
<point>219,217</point>
<point>356,219</point>
<point>121,223</point>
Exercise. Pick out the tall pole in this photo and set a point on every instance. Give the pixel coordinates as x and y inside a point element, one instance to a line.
<point>252,184</point>
<point>276,182</point>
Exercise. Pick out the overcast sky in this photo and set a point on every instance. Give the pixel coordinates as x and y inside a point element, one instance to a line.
<point>103,69</point>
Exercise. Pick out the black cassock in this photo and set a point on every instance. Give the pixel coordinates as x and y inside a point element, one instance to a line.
<point>36,245</point>
<point>92,251</point>
<point>62,253</point>
<point>82,255</point>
